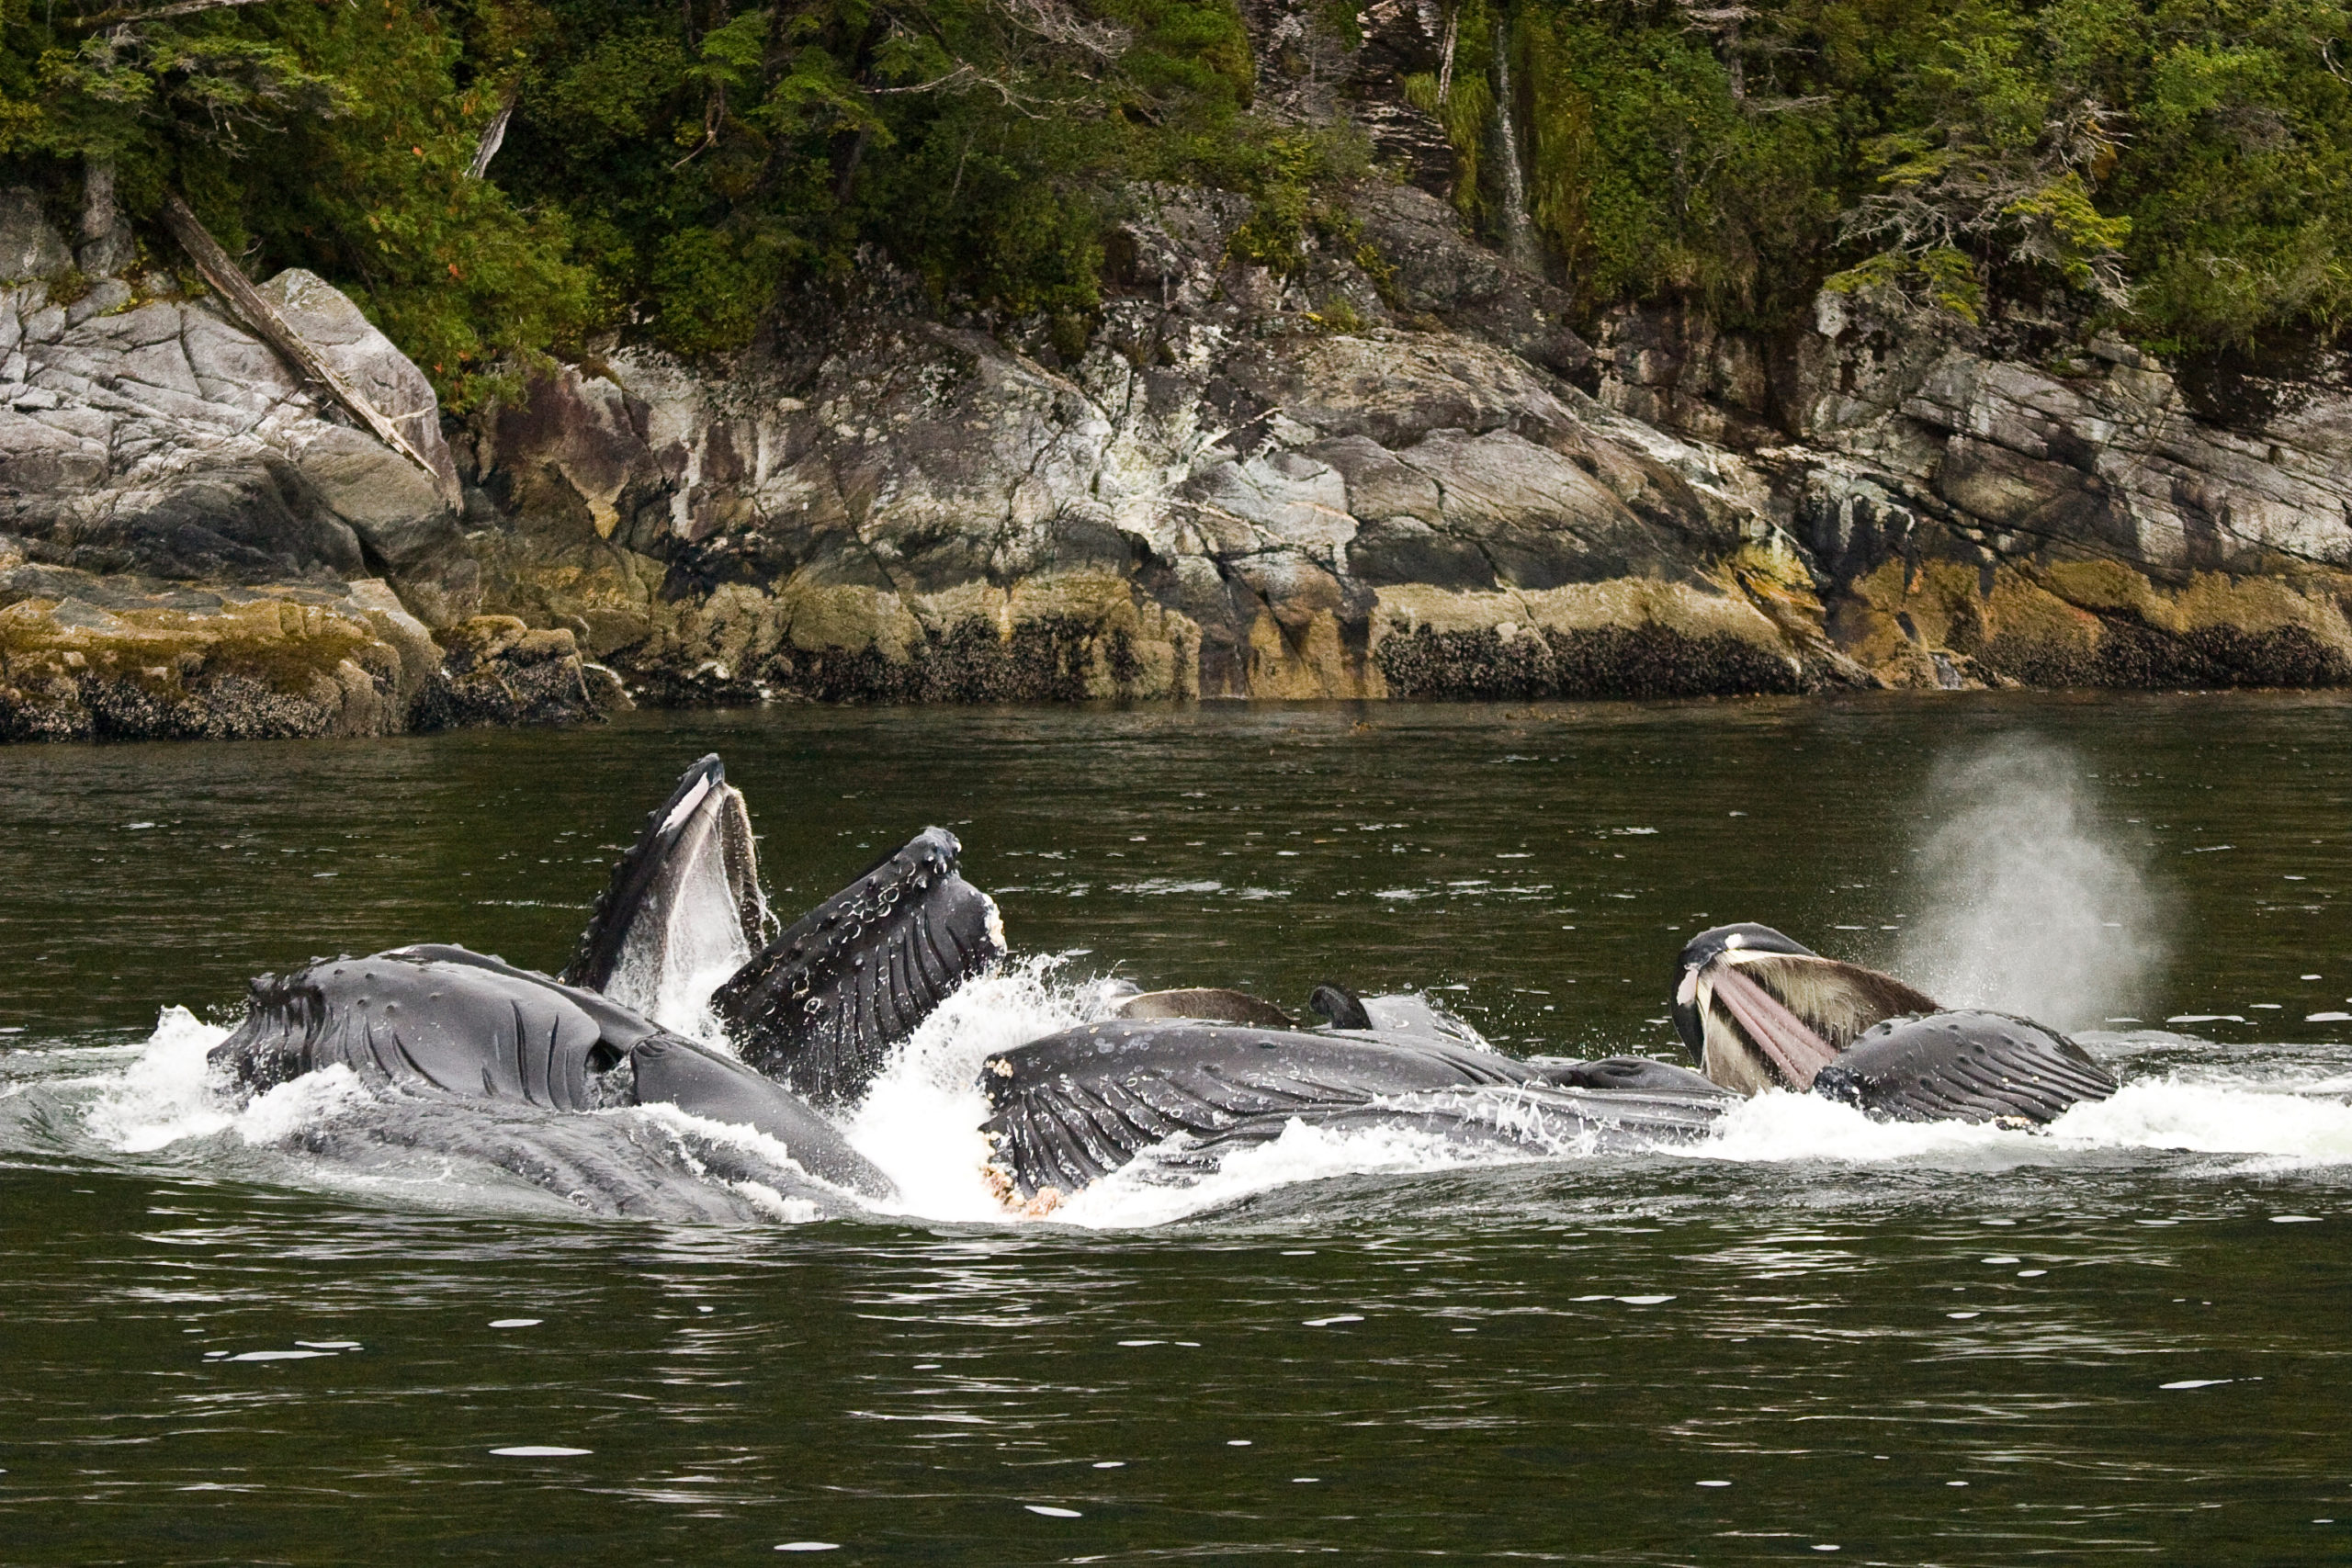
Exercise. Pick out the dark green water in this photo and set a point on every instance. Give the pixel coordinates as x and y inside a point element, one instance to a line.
<point>1915,1346</point>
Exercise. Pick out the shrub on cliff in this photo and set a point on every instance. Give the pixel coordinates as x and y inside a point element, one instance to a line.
<point>2181,170</point>
<point>336,137</point>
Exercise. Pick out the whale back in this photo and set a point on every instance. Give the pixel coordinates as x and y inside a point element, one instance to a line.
<point>1966,1066</point>
<point>820,1006</point>
<point>683,907</point>
<point>1072,1107</point>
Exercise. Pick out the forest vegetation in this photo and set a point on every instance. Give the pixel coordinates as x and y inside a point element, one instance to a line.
<point>2176,170</point>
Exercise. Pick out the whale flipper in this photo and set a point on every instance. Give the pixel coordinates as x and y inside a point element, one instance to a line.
<point>684,900</point>
<point>820,1005</point>
<point>1073,1107</point>
<point>1966,1066</point>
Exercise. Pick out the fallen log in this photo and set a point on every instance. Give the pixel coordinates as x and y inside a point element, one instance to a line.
<point>213,264</point>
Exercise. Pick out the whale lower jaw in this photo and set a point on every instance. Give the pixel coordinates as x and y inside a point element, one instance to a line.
<point>1073,1107</point>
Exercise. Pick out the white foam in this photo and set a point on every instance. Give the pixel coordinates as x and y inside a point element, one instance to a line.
<point>1142,1194</point>
<point>2214,1118</point>
<point>1777,1127</point>
<point>2170,1113</point>
<point>921,1121</point>
<point>159,1097</point>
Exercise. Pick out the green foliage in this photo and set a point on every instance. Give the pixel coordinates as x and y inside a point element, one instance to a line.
<point>2176,169</point>
<point>2179,169</point>
<point>330,137</point>
<point>1650,178</point>
<point>1292,179</point>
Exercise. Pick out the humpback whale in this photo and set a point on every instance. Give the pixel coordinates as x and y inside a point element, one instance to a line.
<point>1069,1108</point>
<point>1072,1107</point>
<point>1759,1010</point>
<point>817,1007</point>
<point>681,940</point>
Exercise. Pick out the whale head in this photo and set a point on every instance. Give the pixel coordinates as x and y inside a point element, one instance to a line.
<point>684,909</point>
<point>1757,1010</point>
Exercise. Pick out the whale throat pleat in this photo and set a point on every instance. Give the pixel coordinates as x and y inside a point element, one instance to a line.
<point>1072,1107</point>
<point>1969,1067</point>
<point>438,1018</point>
<point>820,1005</point>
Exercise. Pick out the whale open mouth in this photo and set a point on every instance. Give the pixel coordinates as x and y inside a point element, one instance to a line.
<point>1791,1044</point>
<point>1759,1011</point>
<point>683,909</point>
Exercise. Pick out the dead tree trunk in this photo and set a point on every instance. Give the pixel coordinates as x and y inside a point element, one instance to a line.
<point>494,135</point>
<point>213,264</point>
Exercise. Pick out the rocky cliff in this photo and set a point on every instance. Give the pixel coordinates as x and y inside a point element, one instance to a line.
<point>191,546</point>
<point>1393,471</point>
<point>1380,477</point>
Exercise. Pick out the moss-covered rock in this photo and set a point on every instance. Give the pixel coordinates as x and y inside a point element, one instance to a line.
<point>497,670</point>
<point>2090,623</point>
<point>267,668</point>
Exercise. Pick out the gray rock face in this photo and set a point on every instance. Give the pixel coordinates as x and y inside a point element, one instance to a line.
<point>1371,475</point>
<point>153,435</point>
<point>30,245</point>
<point>1223,497</point>
<point>2095,521</point>
<point>190,546</point>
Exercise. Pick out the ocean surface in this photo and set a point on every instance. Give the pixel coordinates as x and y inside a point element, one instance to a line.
<point>323,1326</point>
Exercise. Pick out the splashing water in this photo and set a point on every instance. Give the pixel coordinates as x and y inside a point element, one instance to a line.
<point>2026,903</point>
<point>921,1121</point>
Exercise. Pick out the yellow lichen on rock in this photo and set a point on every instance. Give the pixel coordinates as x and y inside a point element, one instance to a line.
<point>266,667</point>
<point>2097,623</point>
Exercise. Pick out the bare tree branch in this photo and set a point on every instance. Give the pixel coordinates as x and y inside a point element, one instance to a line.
<point>265,318</point>
<point>494,135</point>
<point>1057,23</point>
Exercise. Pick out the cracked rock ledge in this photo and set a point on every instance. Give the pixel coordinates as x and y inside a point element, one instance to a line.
<point>1337,484</point>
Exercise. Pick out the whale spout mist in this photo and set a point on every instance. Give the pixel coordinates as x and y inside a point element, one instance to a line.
<point>2024,900</point>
